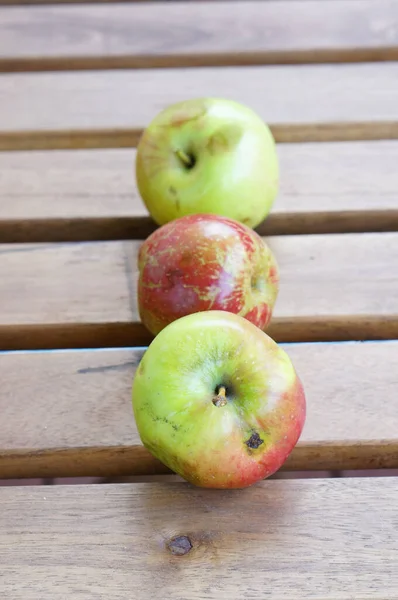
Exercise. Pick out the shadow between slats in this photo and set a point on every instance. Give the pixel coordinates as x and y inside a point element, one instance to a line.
<point>128,138</point>
<point>136,460</point>
<point>295,57</point>
<point>126,334</point>
<point>121,228</point>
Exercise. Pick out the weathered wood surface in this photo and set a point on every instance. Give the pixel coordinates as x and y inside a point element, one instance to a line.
<point>84,294</point>
<point>314,539</point>
<point>70,413</point>
<point>110,108</point>
<point>178,34</point>
<point>324,188</point>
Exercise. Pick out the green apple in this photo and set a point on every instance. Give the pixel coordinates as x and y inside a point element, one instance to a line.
<point>218,401</point>
<point>208,155</point>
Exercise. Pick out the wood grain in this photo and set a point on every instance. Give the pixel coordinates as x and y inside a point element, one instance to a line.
<point>70,413</point>
<point>114,541</point>
<point>324,188</point>
<point>110,108</point>
<point>175,34</point>
<point>84,294</point>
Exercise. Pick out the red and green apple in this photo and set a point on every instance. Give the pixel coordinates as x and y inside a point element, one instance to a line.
<point>205,262</point>
<point>218,401</point>
<point>207,155</point>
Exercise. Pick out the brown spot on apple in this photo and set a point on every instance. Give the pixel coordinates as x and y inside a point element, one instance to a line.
<point>186,258</point>
<point>254,441</point>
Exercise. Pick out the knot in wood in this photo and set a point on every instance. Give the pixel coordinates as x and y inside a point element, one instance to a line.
<point>180,545</point>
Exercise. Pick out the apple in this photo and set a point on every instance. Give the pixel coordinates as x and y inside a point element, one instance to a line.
<point>205,262</point>
<point>218,401</point>
<point>207,155</point>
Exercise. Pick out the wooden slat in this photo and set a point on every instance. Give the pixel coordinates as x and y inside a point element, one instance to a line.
<point>108,109</point>
<point>84,294</point>
<point>319,539</point>
<point>70,413</point>
<point>324,188</point>
<point>175,34</point>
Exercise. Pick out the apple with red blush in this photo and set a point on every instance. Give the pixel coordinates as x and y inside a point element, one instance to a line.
<point>218,401</point>
<point>205,262</point>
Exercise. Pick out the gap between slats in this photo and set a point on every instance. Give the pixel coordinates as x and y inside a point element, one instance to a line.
<point>129,138</point>
<point>123,334</point>
<point>136,460</point>
<point>121,228</point>
<point>103,63</point>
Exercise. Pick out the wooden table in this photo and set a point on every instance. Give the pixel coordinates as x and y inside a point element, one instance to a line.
<point>79,82</point>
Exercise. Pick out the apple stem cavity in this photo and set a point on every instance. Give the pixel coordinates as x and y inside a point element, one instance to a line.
<point>187,159</point>
<point>220,399</point>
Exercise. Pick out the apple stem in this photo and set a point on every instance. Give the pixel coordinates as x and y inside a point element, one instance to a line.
<point>185,158</point>
<point>220,399</point>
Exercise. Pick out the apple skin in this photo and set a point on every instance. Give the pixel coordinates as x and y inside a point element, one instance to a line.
<point>205,262</point>
<point>232,167</point>
<point>234,444</point>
